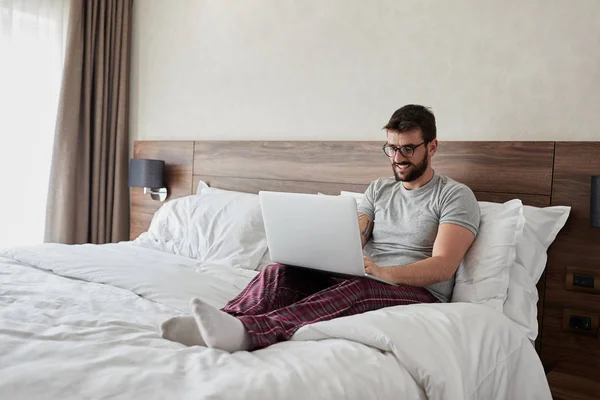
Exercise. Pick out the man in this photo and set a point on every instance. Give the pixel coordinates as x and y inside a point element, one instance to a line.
<point>421,225</point>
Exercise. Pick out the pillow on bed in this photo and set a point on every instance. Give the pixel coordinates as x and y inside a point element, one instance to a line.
<point>201,186</point>
<point>542,226</point>
<point>483,275</point>
<point>216,226</point>
<point>357,196</point>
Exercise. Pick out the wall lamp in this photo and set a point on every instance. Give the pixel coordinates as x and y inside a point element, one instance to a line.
<point>148,174</point>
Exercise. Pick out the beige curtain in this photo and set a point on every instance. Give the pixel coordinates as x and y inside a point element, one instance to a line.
<point>88,198</point>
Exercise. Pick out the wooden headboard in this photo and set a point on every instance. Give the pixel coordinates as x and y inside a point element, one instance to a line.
<point>539,173</point>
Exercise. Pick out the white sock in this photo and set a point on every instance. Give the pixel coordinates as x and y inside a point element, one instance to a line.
<point>219,329</point>
<point>182,329</point>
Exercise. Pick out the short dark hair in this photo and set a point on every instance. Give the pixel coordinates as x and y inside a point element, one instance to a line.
<point>412,117</point>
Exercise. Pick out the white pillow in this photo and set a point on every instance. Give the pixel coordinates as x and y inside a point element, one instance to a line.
<point>357,196</point>
<point>216,226</point>
<point>201,186</point>
<point>483,275</point>
<point>542,226</point>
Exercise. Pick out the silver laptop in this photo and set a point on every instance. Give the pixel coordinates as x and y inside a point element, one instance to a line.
<point>314,231</point>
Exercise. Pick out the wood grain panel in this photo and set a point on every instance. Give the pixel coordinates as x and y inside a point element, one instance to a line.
<point>331,162</point>
<point>570,387</point>
<point>483,166</point>
<point>578,246</point>
<point>178,157</point>
<point>505,167</point>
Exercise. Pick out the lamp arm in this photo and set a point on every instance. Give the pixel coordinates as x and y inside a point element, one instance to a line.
<point>159,194</point>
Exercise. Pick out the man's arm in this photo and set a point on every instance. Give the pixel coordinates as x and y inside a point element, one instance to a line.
<point>365,224</point>
<point>451,244</point>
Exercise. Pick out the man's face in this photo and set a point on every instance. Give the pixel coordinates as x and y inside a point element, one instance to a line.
<point>408,169</point>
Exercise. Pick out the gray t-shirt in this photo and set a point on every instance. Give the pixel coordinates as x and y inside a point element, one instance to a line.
<point>406,221</point>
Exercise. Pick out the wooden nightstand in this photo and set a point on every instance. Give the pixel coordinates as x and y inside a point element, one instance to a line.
<point>565,386</point>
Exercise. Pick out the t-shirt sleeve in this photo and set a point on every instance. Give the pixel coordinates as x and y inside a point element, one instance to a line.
<point>367,204</point>
<point>460,207</point>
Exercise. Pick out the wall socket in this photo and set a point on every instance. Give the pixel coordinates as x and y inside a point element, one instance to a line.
<point>583,280</point>
<point>583,322</point>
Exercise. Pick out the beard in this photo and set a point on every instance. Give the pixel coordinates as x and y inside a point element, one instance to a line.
<point>412,172</point>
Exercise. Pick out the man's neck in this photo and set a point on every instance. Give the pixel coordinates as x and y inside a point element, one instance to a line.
<point>422,181</point>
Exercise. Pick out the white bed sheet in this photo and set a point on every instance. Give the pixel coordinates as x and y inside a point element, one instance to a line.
<point>81,322</point>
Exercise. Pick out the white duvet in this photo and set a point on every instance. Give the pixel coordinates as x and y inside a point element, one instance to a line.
<point>81,322</point>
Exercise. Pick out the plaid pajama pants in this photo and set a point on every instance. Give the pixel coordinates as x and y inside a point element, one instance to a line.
<point>280,300</point>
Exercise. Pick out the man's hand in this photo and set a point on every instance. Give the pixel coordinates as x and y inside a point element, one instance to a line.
<point>371,268</point>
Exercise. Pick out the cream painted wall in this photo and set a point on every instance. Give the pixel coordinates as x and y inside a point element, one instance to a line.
<point>337,69</point>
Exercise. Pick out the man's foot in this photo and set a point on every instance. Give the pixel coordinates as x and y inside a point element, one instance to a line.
<point>219,329</point>
<point>183,330</point>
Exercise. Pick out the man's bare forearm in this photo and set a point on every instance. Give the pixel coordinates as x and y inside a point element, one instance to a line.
<point>366,228</point>
<point>421,273</point>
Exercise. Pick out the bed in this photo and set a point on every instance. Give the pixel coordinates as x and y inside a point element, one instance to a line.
<point>82,322</point>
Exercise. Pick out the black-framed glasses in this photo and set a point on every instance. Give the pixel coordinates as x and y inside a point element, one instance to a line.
<point>406,151</point>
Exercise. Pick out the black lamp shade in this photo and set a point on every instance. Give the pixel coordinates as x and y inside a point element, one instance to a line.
<point>146,173</point>
<point>595,202</point>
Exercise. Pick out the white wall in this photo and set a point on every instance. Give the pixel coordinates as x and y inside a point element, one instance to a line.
<point>337,69</point>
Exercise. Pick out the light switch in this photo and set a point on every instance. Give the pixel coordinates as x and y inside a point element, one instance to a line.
<point>583,322</point>
<point>583,280</point>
